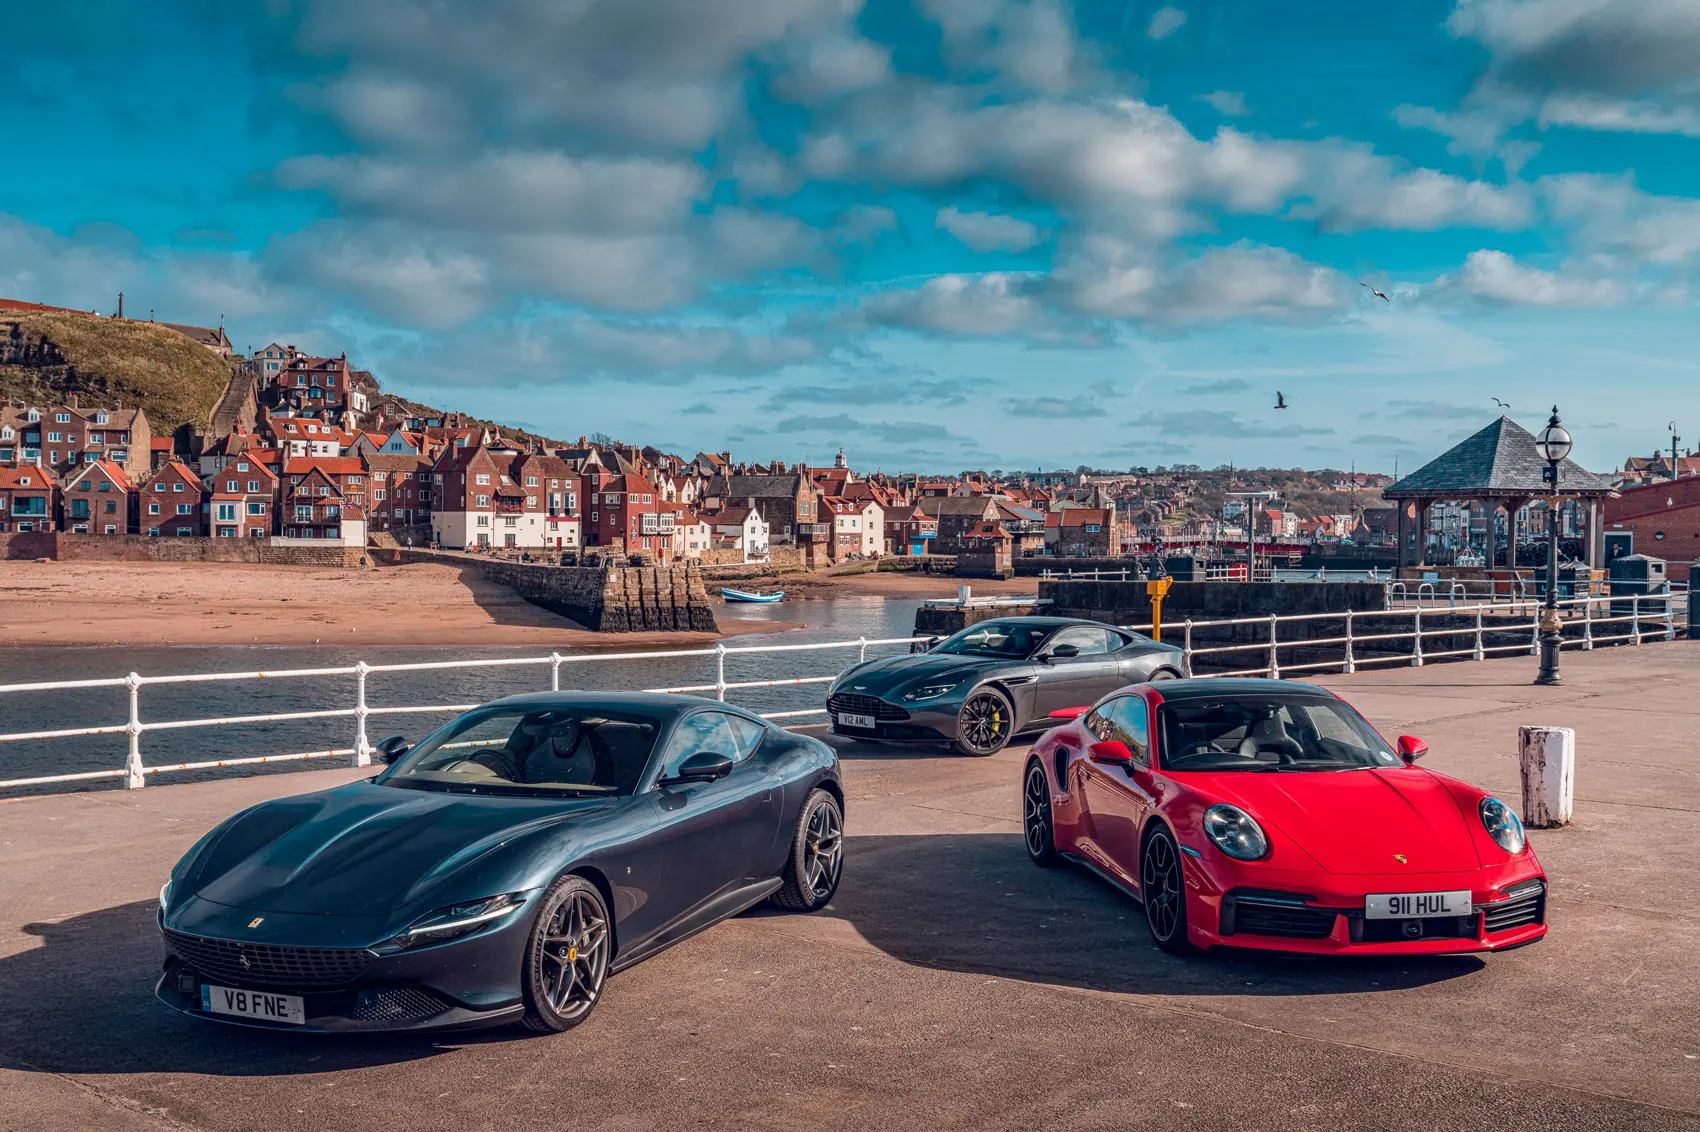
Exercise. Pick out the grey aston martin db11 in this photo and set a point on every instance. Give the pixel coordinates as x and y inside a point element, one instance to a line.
<point>983,686</point>
<point>501,868</point>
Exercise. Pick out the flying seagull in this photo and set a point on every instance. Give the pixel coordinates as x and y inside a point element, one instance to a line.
<point>1502,404</point>
<point>1374,292</point>
<point>1280,399</point>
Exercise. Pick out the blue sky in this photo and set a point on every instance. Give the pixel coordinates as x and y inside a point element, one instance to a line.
<point>940,233</point>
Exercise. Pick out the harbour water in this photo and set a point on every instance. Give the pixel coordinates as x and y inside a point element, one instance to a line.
<point>823,620</point>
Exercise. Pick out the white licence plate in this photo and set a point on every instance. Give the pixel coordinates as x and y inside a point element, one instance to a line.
<point>863,721</point>
<point>1416,905</point>
<point>254,1004</point>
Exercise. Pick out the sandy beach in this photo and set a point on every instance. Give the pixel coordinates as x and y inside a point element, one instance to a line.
<point>89,603</point>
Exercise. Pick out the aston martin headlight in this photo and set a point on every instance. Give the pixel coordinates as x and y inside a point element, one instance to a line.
<point>459,919</point>
<point>1503,825</point>
<point>164,896</point>
<point>1235,832</point>
<point>931,691</point>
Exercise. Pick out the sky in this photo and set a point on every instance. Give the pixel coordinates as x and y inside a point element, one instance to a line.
<point>940,234</point>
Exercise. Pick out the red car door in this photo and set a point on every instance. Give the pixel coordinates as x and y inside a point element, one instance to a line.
<point>1118,796</point>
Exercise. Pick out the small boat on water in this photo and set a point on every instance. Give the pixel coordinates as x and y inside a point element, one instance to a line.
<point>744,595</point>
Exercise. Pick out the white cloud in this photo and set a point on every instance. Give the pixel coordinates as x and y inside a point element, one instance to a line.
<point>1227,102</point>
<point>1165,22</point>
<point>1494,277</point>
<point>1241,281</point>
<point>1619,115</point>
<point>987,231</point>
<point>1610,215</point>
<point>1356,189</point>
<point>1029,44</point>
<point>970,305</point>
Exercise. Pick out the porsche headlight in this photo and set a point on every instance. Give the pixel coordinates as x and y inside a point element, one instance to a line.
<point>459,919</point>
<point>931,691</point>
<point>1503,825</point>
<point>1235,832</point>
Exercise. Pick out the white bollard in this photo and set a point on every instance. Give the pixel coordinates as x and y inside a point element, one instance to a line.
<point>963,593</point>
<point>1547,756</point>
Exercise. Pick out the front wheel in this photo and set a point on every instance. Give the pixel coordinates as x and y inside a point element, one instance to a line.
<point>985,724</point>
<point>566,962</point>
<point>816,863</point>
<point>1036,822</point>
<point>1162,889</point>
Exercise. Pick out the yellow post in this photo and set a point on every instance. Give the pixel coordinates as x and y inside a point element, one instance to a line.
<point>1157,588</point>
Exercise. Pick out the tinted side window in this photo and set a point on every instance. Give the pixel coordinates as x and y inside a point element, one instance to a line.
<point>1123,719</point>
<point>1086,638</point>
<point>748,734</point>
<point>704,731</point>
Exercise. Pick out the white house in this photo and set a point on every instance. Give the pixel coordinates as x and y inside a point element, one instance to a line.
<point>746,529</point>
<point>692,534</point>
<point>858,526</point>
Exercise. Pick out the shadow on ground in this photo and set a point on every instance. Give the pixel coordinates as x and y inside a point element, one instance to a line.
<point>976,903</point>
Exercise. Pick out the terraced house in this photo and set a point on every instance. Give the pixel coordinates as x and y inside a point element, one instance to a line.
<point>244,494</point>
<point>28,499</point>
<point>98,499</point>
<point>173,503</point>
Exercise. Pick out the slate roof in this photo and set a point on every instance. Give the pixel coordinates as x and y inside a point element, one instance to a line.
<point>1500,460</point>
<point>754,487</point>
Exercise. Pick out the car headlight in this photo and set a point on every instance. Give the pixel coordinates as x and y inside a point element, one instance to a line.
<point>931,691</point>
<point>459,919</point>
<point>1235,832</point>
<point>1503,825</point>
<point>164,896</point>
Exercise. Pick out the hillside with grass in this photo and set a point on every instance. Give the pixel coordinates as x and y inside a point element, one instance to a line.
<point>109,363</point>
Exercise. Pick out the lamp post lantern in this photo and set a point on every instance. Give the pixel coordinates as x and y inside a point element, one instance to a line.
<point>1553,444</point>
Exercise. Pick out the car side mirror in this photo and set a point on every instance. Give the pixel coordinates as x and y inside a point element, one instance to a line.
<point>391,749</point>
<point>704,766</point>
<point>1068,713</point>
<point>1110,752</point>
<point>927,645</point>
<point>1411,748</point>
<point>1063,652</point>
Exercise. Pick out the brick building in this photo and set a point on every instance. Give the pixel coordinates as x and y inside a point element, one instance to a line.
<point>244,500</point>
<point>98,499</point>
<point>173,503</point>
<point>401,492</point>
<point>626,511</point>
<point>1659,519</point>
<point>29,499</point>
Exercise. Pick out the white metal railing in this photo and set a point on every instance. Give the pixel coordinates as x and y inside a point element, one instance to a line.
<point>1639,624</point>
<point>135,770</point>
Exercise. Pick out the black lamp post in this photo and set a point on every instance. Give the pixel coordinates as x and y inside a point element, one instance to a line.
<point>1554,445</point>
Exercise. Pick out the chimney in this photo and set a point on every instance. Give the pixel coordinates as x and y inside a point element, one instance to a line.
<point>120,304</point>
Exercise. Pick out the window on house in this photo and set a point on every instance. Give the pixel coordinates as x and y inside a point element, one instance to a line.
<point>483,478</point>
<point>242,466</point>
<point>53,438</point>
<point>185,508</point>
<point>530,481</point>
<point>63,418</point>
<point>256,508</point>
<point>153,508</point>
<point>227,512</point>
<point>253,485</point>
<point>177,487</point>
<point>482,501</point>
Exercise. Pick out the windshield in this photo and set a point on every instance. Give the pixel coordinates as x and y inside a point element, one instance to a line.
<point>568,750</point>
<point>995,638</point>
<point>1268,733</point>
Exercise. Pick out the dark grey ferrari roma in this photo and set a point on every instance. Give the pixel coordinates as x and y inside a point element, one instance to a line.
<point>983,686</point>
<point>500,869</point>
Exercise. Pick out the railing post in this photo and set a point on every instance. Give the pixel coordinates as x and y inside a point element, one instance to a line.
<point>554,672</point>
<point>1186,647</point>
<point>362,746</point>
<point>1274,647</point>
<point>1635,618</point>
<point>134,779</point>
<point>1417,641</point>
<point>720,671</point>
<point>862,656</point>
<point>1351,660</point>
<point>1480,653</point>
<point>1535,632</point>
<point>1670,616</point>
<point>1588,622</point>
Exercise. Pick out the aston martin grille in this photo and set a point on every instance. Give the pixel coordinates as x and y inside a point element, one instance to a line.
<point>268,964</point>
<point>853,704</point>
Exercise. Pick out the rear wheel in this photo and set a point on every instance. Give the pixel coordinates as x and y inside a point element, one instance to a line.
<point>1164,674</point>
<point>566,962</point>
<point>985,724</point>
<point>1162,888</point>
<point>817,856</point>
<point>1036,823</point>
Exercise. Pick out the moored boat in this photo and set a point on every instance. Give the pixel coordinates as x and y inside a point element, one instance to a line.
<point>744,595</point>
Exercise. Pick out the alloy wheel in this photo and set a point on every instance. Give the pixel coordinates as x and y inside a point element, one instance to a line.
<point>1161,887</point>
<point>1036,817</point>
<point>985,723</point>
<point>575,946</point>
<point>823,850</point>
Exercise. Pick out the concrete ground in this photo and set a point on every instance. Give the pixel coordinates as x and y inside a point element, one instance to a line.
<point>950,985</point>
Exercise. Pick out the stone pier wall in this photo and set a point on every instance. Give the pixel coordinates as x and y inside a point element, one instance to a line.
<point>607,597</point>
<point>63,547</point>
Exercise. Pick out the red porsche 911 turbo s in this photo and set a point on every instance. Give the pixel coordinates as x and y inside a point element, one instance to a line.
<point>1269,814</point>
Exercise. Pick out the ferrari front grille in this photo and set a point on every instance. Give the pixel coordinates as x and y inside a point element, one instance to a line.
<point>396,1004</point>
<point>268,964</point>
<point>849,703</point>
<point>1276,915</point>
<point>1525,905</point>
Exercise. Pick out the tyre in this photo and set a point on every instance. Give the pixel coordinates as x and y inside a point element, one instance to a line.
<point>985,724</point>
<point>1036,825</point>
<point>816,863</point>
<point>1163,674</point>
<point>566,961</point>
<point>1162,890</point>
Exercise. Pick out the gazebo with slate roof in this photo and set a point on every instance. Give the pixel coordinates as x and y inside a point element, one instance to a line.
<point>1497,467</point>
